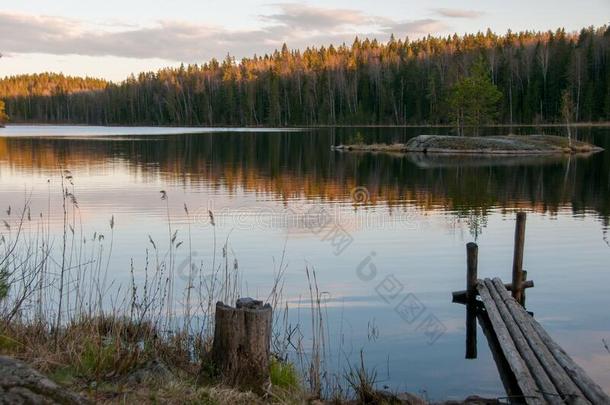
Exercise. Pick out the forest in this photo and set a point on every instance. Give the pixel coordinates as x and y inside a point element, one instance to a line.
<point>366,83</point>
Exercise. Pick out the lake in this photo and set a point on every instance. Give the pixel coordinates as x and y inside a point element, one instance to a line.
<point>387,240</point>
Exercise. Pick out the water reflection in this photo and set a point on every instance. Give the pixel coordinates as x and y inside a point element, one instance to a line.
<point>419,214</point>
<point>300,165</point>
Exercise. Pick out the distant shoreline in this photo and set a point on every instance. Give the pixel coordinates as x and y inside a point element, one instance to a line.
<point>550,125</point>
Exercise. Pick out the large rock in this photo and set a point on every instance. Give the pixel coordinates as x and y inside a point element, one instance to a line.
<point>499,145</point>
<point>534,145</point>
<point>20,384</point>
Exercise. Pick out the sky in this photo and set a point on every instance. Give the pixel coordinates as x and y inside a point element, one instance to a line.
<point>114,38</point>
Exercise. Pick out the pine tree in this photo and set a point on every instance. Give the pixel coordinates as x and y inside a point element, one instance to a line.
<point>474,100</point>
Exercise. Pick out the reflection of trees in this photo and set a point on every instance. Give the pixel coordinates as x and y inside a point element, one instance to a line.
<point>301,165</point>
<point>475,219</point>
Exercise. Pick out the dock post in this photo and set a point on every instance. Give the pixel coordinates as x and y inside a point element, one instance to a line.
<point>517,290</point>
<point>522,302</point>
<point>471,330</point>
<point>471,287</point>
<point>472,252</point>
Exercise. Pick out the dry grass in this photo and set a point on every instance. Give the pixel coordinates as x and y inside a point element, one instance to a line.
<point>61,312</point>
<point>109,361</point>
<point>94,351</point>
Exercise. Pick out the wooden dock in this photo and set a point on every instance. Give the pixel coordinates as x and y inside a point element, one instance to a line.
<point>533,367</point>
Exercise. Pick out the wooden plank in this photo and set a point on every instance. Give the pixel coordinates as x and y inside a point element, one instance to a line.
<point>506,373</point>
<point>562,381</point>
<point>531,393</point>
<point>591,390</point>
<point>545,385</point>
<point>460,296</point>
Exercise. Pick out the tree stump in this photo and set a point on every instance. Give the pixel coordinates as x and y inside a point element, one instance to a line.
<point>241,348</point>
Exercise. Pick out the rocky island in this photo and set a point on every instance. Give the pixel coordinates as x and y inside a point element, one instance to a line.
<point>488,145</point>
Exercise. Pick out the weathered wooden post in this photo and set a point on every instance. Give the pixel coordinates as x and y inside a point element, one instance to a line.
<point>241,348</point>
<point>517,284</point>
<point>472,251</point>
<point>471,330</point>
<point>523,287</point>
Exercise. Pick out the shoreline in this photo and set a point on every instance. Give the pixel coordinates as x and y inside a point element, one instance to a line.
<point>602,124</point>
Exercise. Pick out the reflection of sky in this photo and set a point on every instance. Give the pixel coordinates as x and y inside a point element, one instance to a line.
<point>424,249</point>
<point>91,132</point>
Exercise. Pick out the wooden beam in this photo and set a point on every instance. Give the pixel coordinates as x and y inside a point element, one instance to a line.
<point>460,296</point>
<point>506,373</point>
<point>543,381</point>
<point>565,386</point>
<point>531,393</point>
<point>591,390</point>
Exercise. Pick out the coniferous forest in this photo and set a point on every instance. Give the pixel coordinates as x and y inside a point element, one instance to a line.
<point>370,83</point>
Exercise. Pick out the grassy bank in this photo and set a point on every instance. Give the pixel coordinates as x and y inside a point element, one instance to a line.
<point>112,359</point>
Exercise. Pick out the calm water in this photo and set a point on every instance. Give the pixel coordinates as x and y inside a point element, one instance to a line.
<point>403,248</point>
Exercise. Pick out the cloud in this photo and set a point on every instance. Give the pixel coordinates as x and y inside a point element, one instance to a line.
<point>458,13</point>
<point>301,16</point>
<point>417,27</point>
<point>61,36</point>
<point>295,24</point>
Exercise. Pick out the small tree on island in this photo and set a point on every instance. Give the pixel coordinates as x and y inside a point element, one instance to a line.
<point>474,100</point>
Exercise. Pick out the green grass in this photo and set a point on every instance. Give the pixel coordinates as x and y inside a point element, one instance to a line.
<point>96,358</point>
<point>283,375</point>
<point>8,344</point>
<point>64,375</point>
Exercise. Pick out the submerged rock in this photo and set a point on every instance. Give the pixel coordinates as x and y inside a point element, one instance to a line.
<point>20,384</point>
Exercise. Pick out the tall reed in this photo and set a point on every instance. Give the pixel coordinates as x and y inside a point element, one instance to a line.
<point>59,304</point>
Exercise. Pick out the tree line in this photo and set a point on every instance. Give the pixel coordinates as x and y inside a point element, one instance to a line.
<point>3,116</point>
<point>367,82</point>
